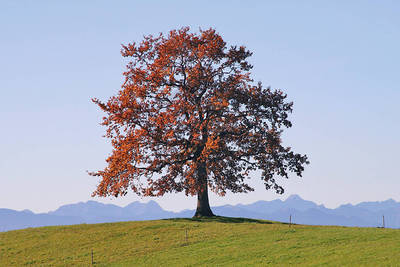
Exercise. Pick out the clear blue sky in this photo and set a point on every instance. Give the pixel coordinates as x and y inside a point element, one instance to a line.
<point>337,60</point>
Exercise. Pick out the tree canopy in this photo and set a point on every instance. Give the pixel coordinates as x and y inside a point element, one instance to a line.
<point>189,117</point>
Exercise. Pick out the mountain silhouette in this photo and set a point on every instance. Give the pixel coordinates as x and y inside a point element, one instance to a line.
<point>365,214</point>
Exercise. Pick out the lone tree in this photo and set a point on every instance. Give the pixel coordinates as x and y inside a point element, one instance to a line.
<point>188,117</point>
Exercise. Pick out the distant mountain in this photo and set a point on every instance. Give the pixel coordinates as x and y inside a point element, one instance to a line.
<point>95,212</point>
<point>365,214</point>
<point>11,220</point>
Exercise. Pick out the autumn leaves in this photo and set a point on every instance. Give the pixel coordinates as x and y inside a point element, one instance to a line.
<point>188,117</point>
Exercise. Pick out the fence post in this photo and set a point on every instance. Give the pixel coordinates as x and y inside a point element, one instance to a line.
<point>290,220</point>
<point>383,221</point>
<point>92,257</point>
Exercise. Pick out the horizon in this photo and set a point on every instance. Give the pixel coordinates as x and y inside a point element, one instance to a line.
<point>177,211</point>
<point>337,61</point>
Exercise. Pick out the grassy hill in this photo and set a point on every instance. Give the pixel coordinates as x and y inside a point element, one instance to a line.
<point>221,240</point>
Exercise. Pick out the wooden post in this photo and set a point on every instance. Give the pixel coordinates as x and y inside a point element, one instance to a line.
<point>290,220</point>
<point>186,235</point>
<point>92,257</point>
<point>383,221</point>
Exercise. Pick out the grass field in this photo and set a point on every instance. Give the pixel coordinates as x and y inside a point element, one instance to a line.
<point>218,241</point>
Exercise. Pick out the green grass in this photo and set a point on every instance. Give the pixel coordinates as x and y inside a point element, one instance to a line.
<point>219,241</point>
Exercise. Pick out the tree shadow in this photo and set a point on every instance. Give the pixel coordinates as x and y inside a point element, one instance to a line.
<point>222,219</point>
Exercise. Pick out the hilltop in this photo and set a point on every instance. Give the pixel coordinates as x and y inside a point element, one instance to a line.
<point>220,240</point>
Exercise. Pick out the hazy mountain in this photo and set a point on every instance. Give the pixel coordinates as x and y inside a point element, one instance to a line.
<point>302,212</point>
<point>378,206</point>
<point>95,212</point>
<point>11,219</point>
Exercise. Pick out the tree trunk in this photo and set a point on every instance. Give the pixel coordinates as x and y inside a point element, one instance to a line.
<point>203,205</point>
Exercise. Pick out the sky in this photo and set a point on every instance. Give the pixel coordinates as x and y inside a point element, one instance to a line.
<point>338,61</point>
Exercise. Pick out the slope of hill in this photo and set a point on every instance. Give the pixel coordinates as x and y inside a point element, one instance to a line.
<point>223,241</point>
<point>365,214</point>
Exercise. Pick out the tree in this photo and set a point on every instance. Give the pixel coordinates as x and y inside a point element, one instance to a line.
<point>188,117</point>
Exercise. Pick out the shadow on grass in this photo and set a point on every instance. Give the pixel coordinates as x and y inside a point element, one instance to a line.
<point>222,220</point>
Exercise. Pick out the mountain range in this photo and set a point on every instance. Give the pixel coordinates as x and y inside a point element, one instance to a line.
<point>365,214</point>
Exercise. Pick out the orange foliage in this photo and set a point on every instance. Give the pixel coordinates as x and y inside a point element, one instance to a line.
<point>188,104</point>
